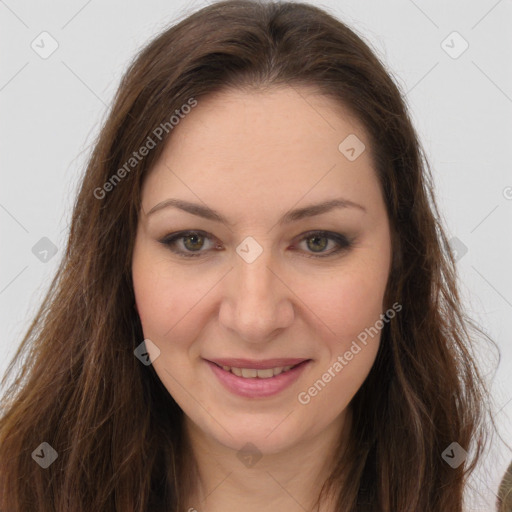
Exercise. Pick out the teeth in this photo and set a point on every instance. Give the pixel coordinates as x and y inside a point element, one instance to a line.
<point>262,374</point>
<point>251,373</point>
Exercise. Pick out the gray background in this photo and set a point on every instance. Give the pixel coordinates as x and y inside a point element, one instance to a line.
<point>461,104</point>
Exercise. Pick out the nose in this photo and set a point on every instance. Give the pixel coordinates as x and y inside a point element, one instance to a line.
<point>258,303</point>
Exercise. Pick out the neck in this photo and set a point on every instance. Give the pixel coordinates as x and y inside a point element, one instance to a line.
<point>290,480</point>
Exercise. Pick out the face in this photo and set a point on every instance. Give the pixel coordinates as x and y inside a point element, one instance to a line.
<point>253,288</point>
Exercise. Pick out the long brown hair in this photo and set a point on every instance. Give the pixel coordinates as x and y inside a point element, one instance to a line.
<point>115,428</point>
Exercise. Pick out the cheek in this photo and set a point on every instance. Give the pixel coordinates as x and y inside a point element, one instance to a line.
<point>150,298</point>
<point>351,306</point>
<point>348,302</point>
<point>167,299</point>
<point>154,294</point>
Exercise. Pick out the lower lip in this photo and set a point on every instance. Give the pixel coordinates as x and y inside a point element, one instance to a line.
<point>256,387</point>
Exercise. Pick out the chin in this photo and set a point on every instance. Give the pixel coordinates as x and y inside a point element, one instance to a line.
<point>268,434</point>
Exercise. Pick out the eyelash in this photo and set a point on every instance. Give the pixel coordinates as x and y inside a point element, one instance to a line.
<point>342,241</point>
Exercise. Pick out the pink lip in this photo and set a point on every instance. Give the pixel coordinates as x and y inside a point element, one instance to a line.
<point>258,365</point>
<point>256,387</point>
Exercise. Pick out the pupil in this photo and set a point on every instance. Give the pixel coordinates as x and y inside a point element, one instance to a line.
<point>322,246</point>
<point>194,237</point>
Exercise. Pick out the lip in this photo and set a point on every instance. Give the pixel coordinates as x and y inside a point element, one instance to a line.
<point>257,365</point>
<point>256,387</point>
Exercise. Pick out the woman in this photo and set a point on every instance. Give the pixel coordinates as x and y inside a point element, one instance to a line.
<point>200,349</point>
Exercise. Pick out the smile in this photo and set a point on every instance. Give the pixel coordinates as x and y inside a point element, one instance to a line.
<point>253,373</point>
<point>268,379</point>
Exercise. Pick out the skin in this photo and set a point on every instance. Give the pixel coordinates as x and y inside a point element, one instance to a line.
<point>253,156</point>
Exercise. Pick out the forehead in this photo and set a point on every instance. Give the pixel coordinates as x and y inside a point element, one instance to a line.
<point>237,123</point>
<point>268,146</point>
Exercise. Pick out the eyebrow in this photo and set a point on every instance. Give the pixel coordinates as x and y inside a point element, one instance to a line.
<point>288,217</point>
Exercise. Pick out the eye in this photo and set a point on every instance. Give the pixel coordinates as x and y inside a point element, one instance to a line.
<point>193,241</point>
<point>319,240</point>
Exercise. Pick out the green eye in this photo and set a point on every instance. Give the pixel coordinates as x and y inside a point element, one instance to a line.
<point>318,246</point>
<point>197,241</point>
<point>192,249</point>
<point>320,240</point>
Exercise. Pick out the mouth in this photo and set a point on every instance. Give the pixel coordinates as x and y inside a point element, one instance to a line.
<point>258,373</point>
<point>257,379</point>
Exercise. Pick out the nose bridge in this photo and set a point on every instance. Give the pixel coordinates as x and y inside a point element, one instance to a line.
<point>255,277</point>
<point>257,302</point>
<point>252,263</point>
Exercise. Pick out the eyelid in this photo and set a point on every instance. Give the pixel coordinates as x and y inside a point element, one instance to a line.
<point>343,242</point>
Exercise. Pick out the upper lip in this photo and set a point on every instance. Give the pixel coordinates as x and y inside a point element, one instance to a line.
<point>255,364</point>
